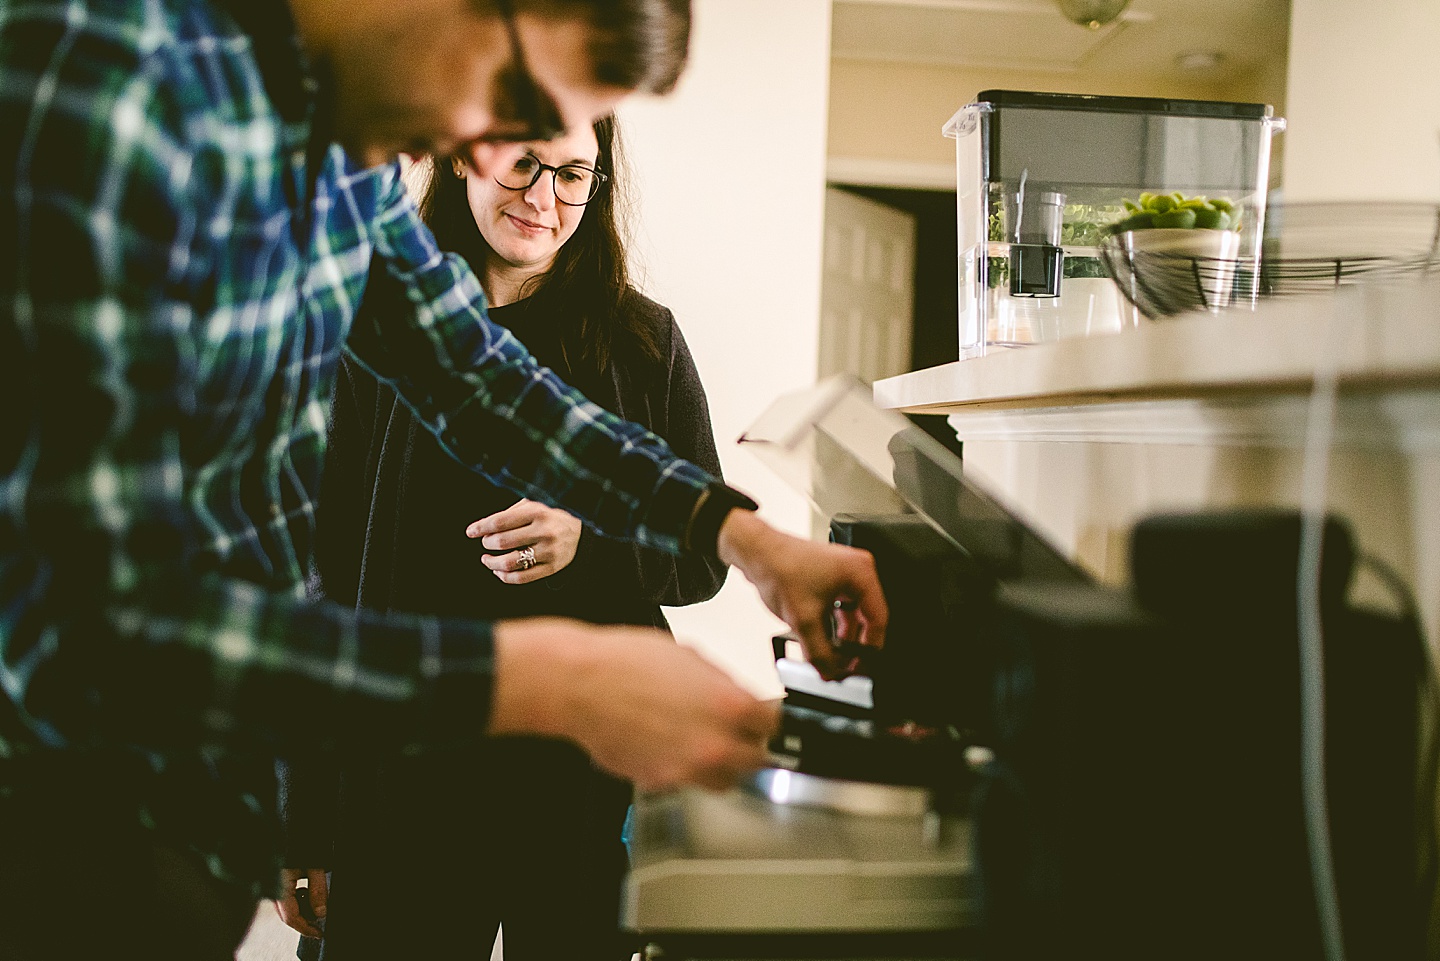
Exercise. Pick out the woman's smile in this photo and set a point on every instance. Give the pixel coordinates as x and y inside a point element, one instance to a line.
<point>527,227</point>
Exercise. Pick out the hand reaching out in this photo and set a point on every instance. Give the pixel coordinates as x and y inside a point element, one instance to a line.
<point>289,907</point>
<point>537,540</point>
<point>644,707</point>
<point>811,585</point>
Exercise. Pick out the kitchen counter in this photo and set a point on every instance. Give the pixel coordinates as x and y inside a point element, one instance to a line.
<point>1379,338</point>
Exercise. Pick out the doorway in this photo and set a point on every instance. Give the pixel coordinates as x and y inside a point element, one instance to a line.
<point>931,334</point>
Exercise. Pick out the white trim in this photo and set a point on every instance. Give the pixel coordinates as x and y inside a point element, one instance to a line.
<point>876,172</point>
<point>1406,420</point>
<point>954,63</point>
<point>1014,7</point>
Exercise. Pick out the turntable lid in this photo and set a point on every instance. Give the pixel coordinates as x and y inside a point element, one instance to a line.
<point>848,456</point>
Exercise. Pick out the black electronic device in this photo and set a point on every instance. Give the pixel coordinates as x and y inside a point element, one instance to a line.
<point>1145,798</point>
<point>1040,766</point>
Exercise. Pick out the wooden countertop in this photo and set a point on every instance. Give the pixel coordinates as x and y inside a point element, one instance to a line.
<point>1372,338</point>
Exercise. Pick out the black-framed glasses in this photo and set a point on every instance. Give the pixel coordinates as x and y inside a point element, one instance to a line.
<point>575,184</point>
<point>524,110</point>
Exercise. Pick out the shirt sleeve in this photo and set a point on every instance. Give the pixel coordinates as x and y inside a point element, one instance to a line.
<point>493,407</point>
<point>107,632</point>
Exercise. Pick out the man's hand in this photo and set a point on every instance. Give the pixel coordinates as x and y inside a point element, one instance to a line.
<point>642,706</point>
<point>807,584</point>
<point>552,536</point>
<point>289,907</point>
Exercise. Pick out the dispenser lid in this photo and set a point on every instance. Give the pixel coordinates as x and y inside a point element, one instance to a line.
<point>1152,105</point>
<point>847,456</point>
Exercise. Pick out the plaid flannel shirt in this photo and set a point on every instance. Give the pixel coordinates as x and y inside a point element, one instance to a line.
<point>181,257</point>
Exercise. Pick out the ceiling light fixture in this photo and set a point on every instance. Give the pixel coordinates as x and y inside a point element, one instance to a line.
<point>1092,13</point>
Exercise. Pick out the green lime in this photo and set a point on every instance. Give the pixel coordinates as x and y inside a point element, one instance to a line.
<point>1161,204</point>
<point>1139,221</point>
<point>1211,219</point>
<point>1220,203</point>
<point>1182,218</point>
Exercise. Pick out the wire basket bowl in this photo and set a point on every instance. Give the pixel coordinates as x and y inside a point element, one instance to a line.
<point>1308,248</point>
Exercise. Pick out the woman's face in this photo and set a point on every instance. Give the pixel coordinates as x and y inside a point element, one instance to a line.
<point>527,228</point>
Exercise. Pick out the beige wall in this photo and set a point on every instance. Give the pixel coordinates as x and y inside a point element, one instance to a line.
<point>893,112</point>
<point>739,264</point>
<point>1364,100</point>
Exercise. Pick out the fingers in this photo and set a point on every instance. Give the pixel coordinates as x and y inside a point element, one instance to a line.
<point>519,514</point>
<point>762,721</point>
<point>510,538</point>
<point>319,891</point>
<point>289,907</point>
<point>551,537</point>
<point>820,651</point>
<point>837,615</point>
<point>519,566</point>
<point>849,626</point>
<point>800,581</point>
<point>644,708</point>
<point>861,614</point>
<point>718,735</point>
<point>873,613</point>
<point>719,774</point>
<point>720,765</point>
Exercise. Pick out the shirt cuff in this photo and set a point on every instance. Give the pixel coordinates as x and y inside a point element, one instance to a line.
<point>715,504</point>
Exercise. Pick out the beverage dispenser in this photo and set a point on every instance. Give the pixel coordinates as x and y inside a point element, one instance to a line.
<point>1041,177</point>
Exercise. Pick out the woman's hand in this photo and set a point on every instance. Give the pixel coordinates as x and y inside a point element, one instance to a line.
<point>538,541</point>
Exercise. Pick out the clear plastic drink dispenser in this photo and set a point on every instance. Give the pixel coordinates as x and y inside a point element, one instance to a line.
<point>1040,178</point>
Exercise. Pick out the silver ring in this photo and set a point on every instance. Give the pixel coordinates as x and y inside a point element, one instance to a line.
<point>527,558</point>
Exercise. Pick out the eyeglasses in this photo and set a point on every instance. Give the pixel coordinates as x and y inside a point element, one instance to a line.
<point>575,184</point>
<point>521,101</point>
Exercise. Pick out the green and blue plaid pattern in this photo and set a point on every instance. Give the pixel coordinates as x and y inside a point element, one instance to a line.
<point>180,269</point>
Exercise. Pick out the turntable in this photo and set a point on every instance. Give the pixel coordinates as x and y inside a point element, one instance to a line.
<point>855,842</point>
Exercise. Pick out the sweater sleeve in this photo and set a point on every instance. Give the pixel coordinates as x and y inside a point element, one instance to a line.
<point>309,783</point>
<point>308,795</point>
<point>342,510</point>
<point>675,581</point>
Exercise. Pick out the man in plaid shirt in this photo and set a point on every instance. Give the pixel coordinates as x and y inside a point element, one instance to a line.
<point>194,196</point>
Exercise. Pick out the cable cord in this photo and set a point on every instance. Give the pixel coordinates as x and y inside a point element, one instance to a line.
<point>1314,479</point>
<point>1428,874</point>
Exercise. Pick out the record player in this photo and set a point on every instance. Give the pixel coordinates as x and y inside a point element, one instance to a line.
<point>855,841</point>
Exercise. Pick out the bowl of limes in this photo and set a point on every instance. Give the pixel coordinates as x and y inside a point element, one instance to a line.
<point>1165,263</point>
<point>1171,253</point>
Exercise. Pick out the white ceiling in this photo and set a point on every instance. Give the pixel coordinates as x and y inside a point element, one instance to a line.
<point>1033,35</point>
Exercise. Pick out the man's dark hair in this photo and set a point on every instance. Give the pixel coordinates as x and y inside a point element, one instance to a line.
<point>586,288</point>
<point>638,45</point>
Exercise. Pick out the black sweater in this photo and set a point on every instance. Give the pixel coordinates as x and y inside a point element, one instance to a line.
<point>394,508</point>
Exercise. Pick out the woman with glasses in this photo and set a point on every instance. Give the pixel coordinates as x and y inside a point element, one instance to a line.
<point>428,854</point>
